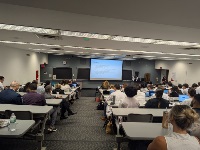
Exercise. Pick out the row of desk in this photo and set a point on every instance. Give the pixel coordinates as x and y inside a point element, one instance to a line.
<point>24,125</point>
<point>139,130</point>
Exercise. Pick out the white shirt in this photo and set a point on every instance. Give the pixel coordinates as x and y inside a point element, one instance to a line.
<point>198,90</point>
<point>177,141</point>
<point>129,102</point>
<point>185,91</point>
<point>65,87</point>
<point>140,97</point>
<point>118,96</point>
<point>1,87</point>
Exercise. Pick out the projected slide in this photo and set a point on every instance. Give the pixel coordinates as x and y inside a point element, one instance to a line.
<point>105,69</point>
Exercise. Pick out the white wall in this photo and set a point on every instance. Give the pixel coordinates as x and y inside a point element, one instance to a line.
<point>16,65</point>
<point>184,72</point>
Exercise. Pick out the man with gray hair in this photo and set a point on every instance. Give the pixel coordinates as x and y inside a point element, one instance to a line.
<point>9,96</point>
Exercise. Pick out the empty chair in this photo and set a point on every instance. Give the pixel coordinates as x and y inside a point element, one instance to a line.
<point>139,118</point>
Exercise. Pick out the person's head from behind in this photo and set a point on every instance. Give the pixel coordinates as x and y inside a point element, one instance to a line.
<point>33,86</point>
<point>48,89</point>
<point>185,86</point>
<point>124,85</point>
<point>116,87</point>
<point>150,87</point>
<point>196,101</point>
<point>170,83</point>
<point>175,89</point>
<point>159,93</point>
<point>130,91</point>
<point>191,92</point>
<point>198,83</point>
<point>47,83</point>
<point>58,86</point>
<point>14,85</point>
<point>35,81</point>
<point>26,87</point>
<point>182,116</point>
<point>180,86</point>
<point>194,85</point>
<point>112,86</point>
<point>1,79</point>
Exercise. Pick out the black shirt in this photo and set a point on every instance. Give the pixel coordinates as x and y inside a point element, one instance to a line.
<point>154,103</point>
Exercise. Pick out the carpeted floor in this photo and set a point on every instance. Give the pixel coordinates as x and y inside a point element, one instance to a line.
<point>83,131</point>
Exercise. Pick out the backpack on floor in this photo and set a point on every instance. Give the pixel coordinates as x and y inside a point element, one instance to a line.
<point>100,106</point>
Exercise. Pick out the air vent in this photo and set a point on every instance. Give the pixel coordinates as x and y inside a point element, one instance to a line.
<point>56,48</point>
<point>51,37</point>
<point>191,48</point>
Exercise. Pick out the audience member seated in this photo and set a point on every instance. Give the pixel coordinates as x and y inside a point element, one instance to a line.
<point>118,97</point>
<point>105,85</point>
<point>9,96</point>
<point>64,105</point>
<point>58,89</point>
<point>181,117</point>
<point>157,102</point>
<point>180,87</point>
<point>1,83</point>
<point>40,88</point>
<point>26,87</point>
<point>198,88</point>
<point>140,96</point>
<point>191,93</point>
<point>124,86</point>
<point>194,86</point>
<point>34,98</point>
<point>112,88</point>
<point>185,89</point>
<point>195,128</point>
<point>65,86</point>
<point>175,92</point>
<point>47,83</point>
<point>169,85</point>
<point>129,101</point>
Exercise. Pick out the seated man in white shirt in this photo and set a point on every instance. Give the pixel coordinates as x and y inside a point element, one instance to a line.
<point>118,97</point>
<point>198,88</point>
<point>185,89</point>
<point>1,83</point>
<point>130,101</point>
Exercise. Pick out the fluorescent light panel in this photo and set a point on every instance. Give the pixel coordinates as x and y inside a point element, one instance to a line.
<point>96,36</point>
<point>90,48</point>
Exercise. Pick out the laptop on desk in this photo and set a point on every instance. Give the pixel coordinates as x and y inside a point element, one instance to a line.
<point>106,92</point>
<point>182,98</point>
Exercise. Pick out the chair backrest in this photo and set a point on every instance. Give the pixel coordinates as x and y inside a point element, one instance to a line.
<point>139,118</point>
<point>21,115</point>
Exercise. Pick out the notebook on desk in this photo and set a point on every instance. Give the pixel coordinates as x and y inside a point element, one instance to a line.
<point>182,98</point>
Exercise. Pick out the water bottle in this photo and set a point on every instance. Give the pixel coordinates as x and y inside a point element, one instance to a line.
<point>12,118</point>
<point>12,126</point>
